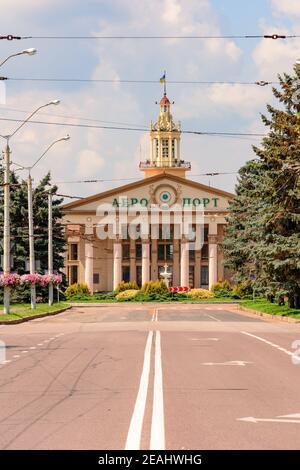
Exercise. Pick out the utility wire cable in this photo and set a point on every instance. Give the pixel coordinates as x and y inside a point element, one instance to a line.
<point>88,126</point>
<point>11,37</point>
<point>261,83</point>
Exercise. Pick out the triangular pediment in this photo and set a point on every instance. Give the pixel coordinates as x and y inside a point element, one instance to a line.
<point>154,190</point>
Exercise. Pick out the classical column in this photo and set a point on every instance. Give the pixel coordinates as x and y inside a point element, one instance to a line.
<point>145,261</point>
<point>170,159</point>
<point>176,262</point>
<point>154,269</point>
<point>178,149</point>
<point>117,259</point>
<point>89,265</point>
<point>212,259</point>
<point>132,261</point>
<point>184,263</point>
<point>198,268</point>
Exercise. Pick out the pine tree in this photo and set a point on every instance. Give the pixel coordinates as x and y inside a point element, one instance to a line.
<point>19,224</point>
<point>262,236</point>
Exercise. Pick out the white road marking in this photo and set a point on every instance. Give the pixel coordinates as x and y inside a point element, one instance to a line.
<point>270,343</point>
<point>211,316</point>
<point>52,338</point>
<point>133,441</point>
<point>279,419</point>
<point>294,415</point>
<point>228,363</point>
<point>40,344</point>
<point>7,361</point>
<point>32,347</point>
<point>24,352</point>
<point>46,340</point>
<point>157,439</point>
<point>205,339</point>
<point>16,356</point>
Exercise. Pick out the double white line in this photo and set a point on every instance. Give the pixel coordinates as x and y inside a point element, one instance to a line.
<point>157,437</point>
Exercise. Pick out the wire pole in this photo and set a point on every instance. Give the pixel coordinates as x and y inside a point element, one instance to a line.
<point>6,228</point>
<point>50,246</point>
<point>31,241</point>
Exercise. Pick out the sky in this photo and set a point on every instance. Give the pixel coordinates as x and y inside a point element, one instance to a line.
<point>113,155</point>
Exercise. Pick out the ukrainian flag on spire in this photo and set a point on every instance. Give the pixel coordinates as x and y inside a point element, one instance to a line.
<point>163,78</point>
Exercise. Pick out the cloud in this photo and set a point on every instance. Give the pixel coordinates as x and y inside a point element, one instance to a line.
<point>286,7</point>
<point>89,163</point>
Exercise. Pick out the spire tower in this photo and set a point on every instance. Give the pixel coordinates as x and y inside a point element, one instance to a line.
<point>165,136</point>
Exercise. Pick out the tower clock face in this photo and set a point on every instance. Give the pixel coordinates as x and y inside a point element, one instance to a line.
<point>165,195</point>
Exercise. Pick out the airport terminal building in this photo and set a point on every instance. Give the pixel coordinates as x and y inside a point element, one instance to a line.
<point>103,262</point>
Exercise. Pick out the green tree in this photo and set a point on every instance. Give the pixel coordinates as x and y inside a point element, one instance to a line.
<point>262,236</point>
<point>19,224</point>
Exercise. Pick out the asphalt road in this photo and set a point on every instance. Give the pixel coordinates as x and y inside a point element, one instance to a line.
<point>150,377</point>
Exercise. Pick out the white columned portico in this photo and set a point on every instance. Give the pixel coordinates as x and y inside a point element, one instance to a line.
<point>145,261</point>
<point>184,263</point>
<point>212,253</point>
<point>89,264</point>
<point>117,255</point>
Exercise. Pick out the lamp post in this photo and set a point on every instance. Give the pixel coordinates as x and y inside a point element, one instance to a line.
<point>30,51</point>
<point>30,226</point>
<point>6,228</point>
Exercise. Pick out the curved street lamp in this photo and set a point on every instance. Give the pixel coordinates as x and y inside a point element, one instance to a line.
<point>30,51</point>
<point>30,225</point>
<point>6,227</point>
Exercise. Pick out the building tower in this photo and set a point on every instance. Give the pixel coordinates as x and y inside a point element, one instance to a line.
<point>165,144</point>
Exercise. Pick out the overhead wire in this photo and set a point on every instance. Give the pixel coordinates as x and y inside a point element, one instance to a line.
<point>273,36</point>
<point>210,133</point>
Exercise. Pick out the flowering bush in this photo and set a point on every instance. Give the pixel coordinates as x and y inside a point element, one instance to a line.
<point>9,280</point>
<point>55,279</point>
<point>127,294</point>
<point>31,279</point>
<point>200,293</point>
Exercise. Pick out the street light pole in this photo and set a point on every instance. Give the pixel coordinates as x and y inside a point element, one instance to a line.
<point>6,228</point>
<point>30,225</point>
<point>6,234</point>
<point>50,246</point>
<point>31,240</point>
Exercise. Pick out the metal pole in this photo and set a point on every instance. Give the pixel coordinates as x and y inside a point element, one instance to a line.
<point>6,228</point>
<point>50,246</point>
<point>31,241</point>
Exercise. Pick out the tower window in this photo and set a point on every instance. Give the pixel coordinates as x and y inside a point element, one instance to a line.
<point>156,147</point>
<point>173,148</point>
<point>165,148</point>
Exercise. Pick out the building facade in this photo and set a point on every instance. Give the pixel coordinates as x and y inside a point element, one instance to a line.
<point>132,255</point>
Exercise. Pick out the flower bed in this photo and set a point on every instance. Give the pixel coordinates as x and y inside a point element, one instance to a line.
<point>9,280</point>
<point>35,279</point>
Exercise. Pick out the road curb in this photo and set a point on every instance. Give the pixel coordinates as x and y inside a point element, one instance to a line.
<point>34,317</point>
<point>269,316</point>
<point>118,304</point>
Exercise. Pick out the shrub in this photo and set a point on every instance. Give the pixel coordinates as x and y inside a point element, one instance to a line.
<point>222,289</point>
<point>200,293</point>
<point>77,289</point>
<point>127,294</point>
<point>122,286</point>
<point>243,290</point>
<point>154,287</point>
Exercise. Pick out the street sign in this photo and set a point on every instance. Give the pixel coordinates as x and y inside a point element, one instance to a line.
<point>179,289</point>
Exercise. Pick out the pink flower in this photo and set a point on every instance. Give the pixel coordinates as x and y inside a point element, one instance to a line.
<point>9,280</point>
<point>31,279</point>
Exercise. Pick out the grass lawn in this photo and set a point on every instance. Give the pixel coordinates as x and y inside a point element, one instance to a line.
<point>262,305</point>
<point>23,310</point>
